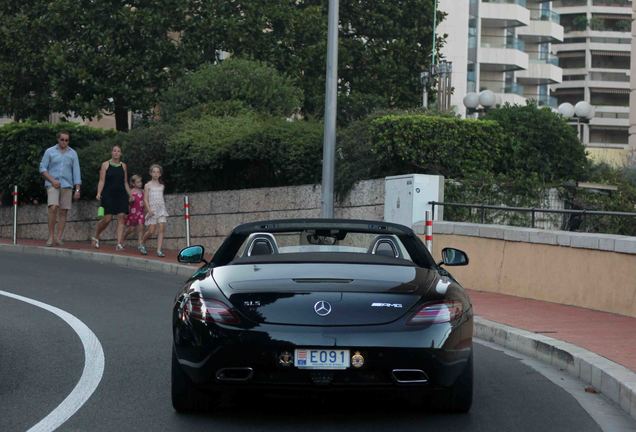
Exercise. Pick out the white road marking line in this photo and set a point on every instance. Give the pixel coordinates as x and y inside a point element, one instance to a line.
<point>91,375</point>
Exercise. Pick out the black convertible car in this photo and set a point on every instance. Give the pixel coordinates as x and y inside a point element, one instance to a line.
<point>322,304</point>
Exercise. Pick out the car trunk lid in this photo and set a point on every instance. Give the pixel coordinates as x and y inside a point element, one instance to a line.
<point>322,294</point>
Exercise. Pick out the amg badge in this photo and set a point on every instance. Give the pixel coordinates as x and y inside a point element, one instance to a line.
<point>389,305</point>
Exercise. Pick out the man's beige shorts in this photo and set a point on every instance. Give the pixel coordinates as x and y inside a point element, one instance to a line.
<point>60,197</point>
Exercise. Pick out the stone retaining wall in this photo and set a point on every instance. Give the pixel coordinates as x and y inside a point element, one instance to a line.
<point>594,271</point>
<point>213,214</point>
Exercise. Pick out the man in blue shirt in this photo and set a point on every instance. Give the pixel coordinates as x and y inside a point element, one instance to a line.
<point>61,171</point>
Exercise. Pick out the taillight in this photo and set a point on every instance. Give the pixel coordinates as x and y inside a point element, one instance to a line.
<point>437,312</point>
<point>207,310</point>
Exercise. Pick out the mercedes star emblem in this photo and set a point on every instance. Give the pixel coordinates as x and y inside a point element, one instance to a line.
<point>322,308</point>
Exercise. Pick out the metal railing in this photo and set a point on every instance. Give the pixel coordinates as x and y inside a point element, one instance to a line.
<point>503,42</point>
<point>580,214</point>
<point>545,15</point>
<point>546,100</point>
<point>523,3</point>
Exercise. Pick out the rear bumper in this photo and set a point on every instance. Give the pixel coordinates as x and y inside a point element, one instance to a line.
<point>441,351</point>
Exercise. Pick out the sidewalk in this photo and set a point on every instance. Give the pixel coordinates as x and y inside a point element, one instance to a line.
<point>608,335</point>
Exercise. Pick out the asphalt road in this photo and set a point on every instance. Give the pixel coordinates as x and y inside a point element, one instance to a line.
<point>41,360</point>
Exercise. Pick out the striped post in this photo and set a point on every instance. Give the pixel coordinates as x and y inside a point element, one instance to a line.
<point>429,232</point>
<point>186,216</point>
<point>15,214</point>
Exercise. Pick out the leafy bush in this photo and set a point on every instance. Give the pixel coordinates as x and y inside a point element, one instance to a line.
<point>22,146</point>
<point>395,144</point>
<point>248,150</point>
<point>538,141</point>
<point>256,85</point>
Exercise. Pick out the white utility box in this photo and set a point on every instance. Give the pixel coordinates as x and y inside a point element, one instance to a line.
<point>407,197</point>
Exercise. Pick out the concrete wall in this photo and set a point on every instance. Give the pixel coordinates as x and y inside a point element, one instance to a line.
<point>213,214</point>
<point>588,270</point>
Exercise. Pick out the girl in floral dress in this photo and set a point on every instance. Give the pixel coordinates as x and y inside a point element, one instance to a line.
<point>157,215</point>
<point>136,218</point>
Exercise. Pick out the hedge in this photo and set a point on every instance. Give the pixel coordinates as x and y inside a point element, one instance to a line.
<point>22,146</point>
<point>437,145</point>
<point>248,150</point>
<point>397,143</point>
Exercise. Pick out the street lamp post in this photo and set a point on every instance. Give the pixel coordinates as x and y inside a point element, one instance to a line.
<point>582,113</point>
<point>331,97</point>
<point>476,103</point>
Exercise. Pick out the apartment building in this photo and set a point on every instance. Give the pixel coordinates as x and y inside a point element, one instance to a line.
<point>595,58</point>
<point>505,46</point>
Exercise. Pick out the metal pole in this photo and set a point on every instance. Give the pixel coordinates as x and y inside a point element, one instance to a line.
<point>15,214</point>
<point>186,208</point>
<point>331,97</point>
<point>434,32</point>
<point>428,236</point>
<point>532,217</point>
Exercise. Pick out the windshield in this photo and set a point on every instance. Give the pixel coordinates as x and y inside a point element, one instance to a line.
<point>323,241</point>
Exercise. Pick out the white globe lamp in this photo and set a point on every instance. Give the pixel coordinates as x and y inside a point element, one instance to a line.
<point>471,100</point>
<point>487,99</point>
<point>566,110</point>
<point>584,110</point>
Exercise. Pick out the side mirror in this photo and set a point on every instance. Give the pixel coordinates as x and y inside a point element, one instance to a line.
<point>454,257</point>
<point>191,255</point>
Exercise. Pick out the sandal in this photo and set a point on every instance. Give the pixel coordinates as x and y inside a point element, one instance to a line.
<point>95,242</point>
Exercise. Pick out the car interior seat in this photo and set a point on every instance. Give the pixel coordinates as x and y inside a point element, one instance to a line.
<point>385,246</point>
<point>261,244</point>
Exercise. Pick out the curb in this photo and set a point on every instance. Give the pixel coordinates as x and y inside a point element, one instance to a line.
<point>616,382</point>
<point>105,258</point>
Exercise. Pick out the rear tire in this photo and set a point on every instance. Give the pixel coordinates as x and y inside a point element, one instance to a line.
<point>185,396</point>
<point>459,397</point>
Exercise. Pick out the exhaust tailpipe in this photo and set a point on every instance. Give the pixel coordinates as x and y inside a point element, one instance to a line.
<point>409,376</point>
<point>235,374</point>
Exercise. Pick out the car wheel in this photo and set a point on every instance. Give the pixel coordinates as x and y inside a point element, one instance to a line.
<point>185,396</point>
<point>462,391</point>
<point>459,397</point>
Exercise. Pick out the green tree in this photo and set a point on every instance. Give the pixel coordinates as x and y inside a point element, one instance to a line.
<point>85,57</point>
<point>538,141</point>
<point>25,90</point>
<point>383,45</point>
<point>252,84</point>
<point>113,56</point>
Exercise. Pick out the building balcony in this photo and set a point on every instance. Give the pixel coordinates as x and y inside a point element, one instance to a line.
<point>543,100</point>
<point>541,31</point>
<point>504,13</point>
<point>501,55</point>
<point>540,72</point>
<point>608,80</point>
<point>510,98</point>
<point>612,116</point>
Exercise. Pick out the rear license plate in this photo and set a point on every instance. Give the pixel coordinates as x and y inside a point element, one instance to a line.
<point>321,359</point>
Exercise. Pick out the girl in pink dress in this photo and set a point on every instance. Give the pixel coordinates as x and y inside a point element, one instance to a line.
<point>136,218</point>
<point>156,216</point>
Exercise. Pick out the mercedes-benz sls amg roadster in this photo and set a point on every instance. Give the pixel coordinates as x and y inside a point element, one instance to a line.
<point>322,304</point>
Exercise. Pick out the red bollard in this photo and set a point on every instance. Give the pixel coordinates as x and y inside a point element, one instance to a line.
<point>428,236</point>
<point>186,216</point>
<point>15,214</point>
